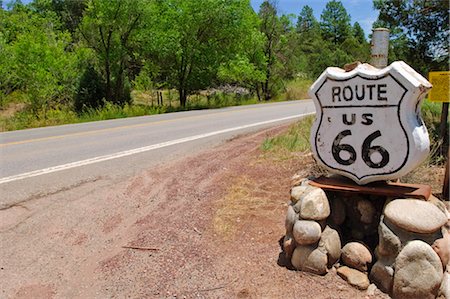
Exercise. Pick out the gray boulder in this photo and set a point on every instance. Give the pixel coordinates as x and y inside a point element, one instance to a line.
<point>415,215</point>
<point>310,259</point>
<point>418,272</point>
<point>306,232</point>
<point>314,205</point>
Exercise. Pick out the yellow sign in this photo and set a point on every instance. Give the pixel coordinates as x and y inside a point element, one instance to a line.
<point>440,91</point>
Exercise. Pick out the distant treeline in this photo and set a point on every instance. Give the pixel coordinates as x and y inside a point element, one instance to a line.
<point>84,53</point>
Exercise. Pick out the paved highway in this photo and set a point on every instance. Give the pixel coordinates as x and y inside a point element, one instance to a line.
<point>40,161</point>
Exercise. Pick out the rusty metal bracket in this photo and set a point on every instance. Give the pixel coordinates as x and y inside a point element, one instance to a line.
<point>342,184</point>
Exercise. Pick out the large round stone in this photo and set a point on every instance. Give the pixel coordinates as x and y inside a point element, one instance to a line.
<point>330,243</point>
<point>415,215</point>
<point>418,272</point>
<point>356,255</point>
<point>291,217</point>
<point>354,277</point>
<point>306,232</point>
<point>314,205</point>
<point>309,259</point>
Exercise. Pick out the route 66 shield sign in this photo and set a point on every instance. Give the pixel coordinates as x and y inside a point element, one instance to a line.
<point>368,125</point>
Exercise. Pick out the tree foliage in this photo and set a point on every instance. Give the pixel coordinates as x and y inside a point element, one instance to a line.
<point>84,53</point>
<point>335,22</point>
<point>421,31</point>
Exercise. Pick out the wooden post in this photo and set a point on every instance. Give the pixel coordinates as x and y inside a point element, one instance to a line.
<point>445,186</point>
<point>443,126</point>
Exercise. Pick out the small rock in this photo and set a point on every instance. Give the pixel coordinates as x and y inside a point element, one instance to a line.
<point>442,248</point>
<point>306,232</point>
<point>371,289</point>
<point>288,246</point>
<point>330,243</point>
<point>415,215</point>
<point>367,211</point>
<point>354,277</point>
<point>314,205</point>
<point>337,211</point>
<point>356,255</point>
<point>418,272</point>
<point>309,259</point>
<point>389,243</point>
<point>383,276</point>
<point>298,192</point>
<point>445,286</point>
<point>291,217</point>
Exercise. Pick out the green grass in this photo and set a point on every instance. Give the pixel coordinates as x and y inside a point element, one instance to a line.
<point>296,89</point>
<point>431,115</point>
<point>296,139</point>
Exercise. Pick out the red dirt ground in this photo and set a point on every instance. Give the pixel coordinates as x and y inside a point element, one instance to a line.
<point>210,225</point>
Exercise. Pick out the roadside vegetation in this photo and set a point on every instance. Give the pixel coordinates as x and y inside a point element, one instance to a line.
<point>67,61</point>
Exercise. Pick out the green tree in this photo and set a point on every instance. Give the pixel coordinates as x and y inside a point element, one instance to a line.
<point>425,27</point>
<point>335,22</point>
<point>69,12</point>
<point>306,21</point>
<point>358,33</point>
<point>192,39</point>
<point>38,62</point>
<point>111,28</point>
<point>275,30</point>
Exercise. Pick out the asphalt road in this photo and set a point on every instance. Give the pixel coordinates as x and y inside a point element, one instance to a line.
<point>42,161</point>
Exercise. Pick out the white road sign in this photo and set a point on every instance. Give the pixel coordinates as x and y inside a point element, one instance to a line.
<point>368,125</point>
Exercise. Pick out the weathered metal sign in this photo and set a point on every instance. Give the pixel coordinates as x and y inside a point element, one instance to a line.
<point>441,82</point>
<point>368,125</point>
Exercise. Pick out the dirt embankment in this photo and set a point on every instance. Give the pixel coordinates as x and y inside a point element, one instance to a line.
<point>205,226</point>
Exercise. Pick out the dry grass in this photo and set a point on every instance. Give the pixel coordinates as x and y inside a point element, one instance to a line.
<point>237,204</point>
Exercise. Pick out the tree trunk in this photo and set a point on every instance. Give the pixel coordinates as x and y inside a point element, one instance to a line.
<point>183,96</point>
<point>108,81</point>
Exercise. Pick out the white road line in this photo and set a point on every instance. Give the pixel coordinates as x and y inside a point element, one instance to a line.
<point>137,150</point>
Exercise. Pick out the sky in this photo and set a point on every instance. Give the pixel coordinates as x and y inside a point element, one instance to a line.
<point>360,11</point>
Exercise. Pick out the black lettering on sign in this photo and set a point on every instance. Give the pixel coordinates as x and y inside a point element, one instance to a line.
<point>368,150</point>
<point>381,90</point>
<point>360,92</point>
<point>371,87</point>
<point>337,148</point>
<point>347,93</point>
<point>358,96</point>
<point>345,120</point>
<point>336,91</point>
<point>367,119</point>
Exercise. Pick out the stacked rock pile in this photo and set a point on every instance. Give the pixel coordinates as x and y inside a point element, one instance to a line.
<point>407,239</point>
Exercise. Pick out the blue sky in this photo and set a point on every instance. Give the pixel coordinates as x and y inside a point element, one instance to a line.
<point>360,11</point>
